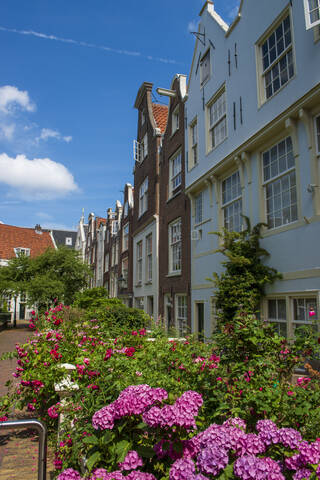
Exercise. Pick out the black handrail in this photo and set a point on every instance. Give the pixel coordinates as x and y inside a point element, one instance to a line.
<point>42,430</point>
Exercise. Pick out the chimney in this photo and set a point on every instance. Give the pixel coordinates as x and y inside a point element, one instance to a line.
<point>38,229</point>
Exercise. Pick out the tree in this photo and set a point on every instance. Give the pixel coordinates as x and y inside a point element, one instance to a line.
<point>241,285</point>
<point>55,274</point>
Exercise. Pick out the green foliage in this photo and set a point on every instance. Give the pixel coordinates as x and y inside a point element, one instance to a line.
<point>241,285</point>
<point>90,298</point>
<point>56,274</point>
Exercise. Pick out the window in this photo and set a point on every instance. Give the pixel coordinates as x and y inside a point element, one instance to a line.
<point>193,150</point>
<point>143,197</point>
<point>149,258</point>
<point>114,227</point>
<point>139,301</point>
<point>277,58</point>
<point>125,237</point>
<point>175,246</point>
<point>198,207</point>
<point>124,271</point>
<point>22,251</point>
<point>205,68</point>
<point>317,131</point>
<point>175,173</point>
<point>68,241</point>
<point>113,254</point>
<point>217,118</point>
<point>143,117</point>
<point>144,147</point>
<point>232,202</point>
<point>181,314</point>
<point>150,306</point>
<point>125,209</point>
<point>279,178</point>
<point>139,262</point>
<point>304,312</point>
<point>175,120</point>
<point>312,13</point>
<point>117,252</point>
<point>277,315</point>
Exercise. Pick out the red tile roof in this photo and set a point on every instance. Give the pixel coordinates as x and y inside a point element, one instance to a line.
<point>100,220</point>
<point>160,113</point>
<point>12,237</point>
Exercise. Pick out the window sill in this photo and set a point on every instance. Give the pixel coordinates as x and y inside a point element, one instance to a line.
<point>174,274</point>
<point>283,228</point>
<point>173,133</point>
<point>193,166</point>
<point>149,282</point>
<point>174,195</point>
<point>266,100</point>
<point>215,147</point>
<point>202,84</point>
<point>196,225</point>
<point>139,284</point>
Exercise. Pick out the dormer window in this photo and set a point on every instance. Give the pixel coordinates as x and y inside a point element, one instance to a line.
<point>205,68</point>
<point>22,251</point>
<point>68,241</point>
<point>175,120</point>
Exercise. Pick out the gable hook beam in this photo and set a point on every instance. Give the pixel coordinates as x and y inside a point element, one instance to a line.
<point>200,36</point>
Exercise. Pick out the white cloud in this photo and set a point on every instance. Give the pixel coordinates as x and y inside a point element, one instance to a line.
<point>47,133</point>
<point>44,215</point>
<point>232,13</point>
<point>11,96</point>
<point>7,131</point>
<point>40,178</point>
<point>193,26</point>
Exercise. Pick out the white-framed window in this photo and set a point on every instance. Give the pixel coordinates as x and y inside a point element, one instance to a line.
<point>312,13</point>
<point>139,303</point>
<point>304,311</point>
<point>217,120</point>
<point>277,315</point>
<point>139,262</point>
<point>277,58</point>
<point>114,227</point>
<point>143,117</point>
<point>22,251</point>
<point>205,68</point>
<point>198,208</point>
<point>175,173</point>
<point>106,262</point>
<point>113,254</point>
<point>125,209</point>
<point>279,181</point>
<point>124,271</point>
<point>232,202</point>
<point>143,197</point>
<point>144,147</point>
<point>317,133</point>
<point>117,252</point>
<point>193,142</point>
<point>68,241</point>
<point>125,237</point>
<point>181,310</point>
<point>149,258</point>
<point>175,246</point>
<point>175,120</point>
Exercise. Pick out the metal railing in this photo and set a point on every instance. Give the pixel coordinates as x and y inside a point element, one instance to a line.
<point>42,430</point>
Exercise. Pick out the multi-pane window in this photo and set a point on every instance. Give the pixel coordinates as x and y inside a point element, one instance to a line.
<point>175,246</point>
<point>198,208</point>
<point>312,13</point>
<point>277,315</point>
<point>124,271</point>
<point>193,153</point>
<point>232,202</point>
<point>175,173</point>
<point>139,262</point>
<point>114,227</point>
<point>125,237</point>
<point>317,131</point>
<point>143,197</point>
<point>149,257</point>
<point>125,209</point>
<point>143,117</point>
<point>205,68</point>
<point>304,312</point>
<point>217,113</point>
<point>181,314</point>
<point>279,178</point>
<point>117,252</point>
<point>144,147</point>
<point>175,119</point>
<point>22,251</point>
<point>277,58</point>
<point>106,262</point>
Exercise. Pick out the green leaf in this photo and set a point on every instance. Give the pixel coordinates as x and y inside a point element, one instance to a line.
<point>147,452</point>
<point>92,460</point>
<point>91,440</point>
<point>121,449</point>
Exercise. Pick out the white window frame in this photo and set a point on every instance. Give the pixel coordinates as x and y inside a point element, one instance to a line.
<point>149,257</point>
<point>144,147</point>
<point>125,209</point>
<point>175,119</point>
<point>106,262</point>
<point>143,197</point>
<point>181,314</point>
<point>124,271</point>
<point>312,11</point>
<point>114,227</point>
<point>193,142</point>
<point>175,172</point>
<point>317,132</point>
<point>217,130</point>
<point>230,204</point>
<point>205,68</point>
<point>139,262</point>
<point>22,251</point>
<point>143,117</point>
<point>198,208</point>
<point>68,241</point>
<point>125,237</point>
<point>276,181</point>
<point>276,58</point>
<point>175,246</point>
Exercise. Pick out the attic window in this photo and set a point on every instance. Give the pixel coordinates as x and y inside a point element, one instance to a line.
<point>22,251</point>
<point>68,241</point>
<point>205,68</point>
<point>175,119</point>
<point>143,117</point>
<point>312,13</point>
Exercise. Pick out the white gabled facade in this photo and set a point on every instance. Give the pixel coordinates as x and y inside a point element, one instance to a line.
<point>254,97</point>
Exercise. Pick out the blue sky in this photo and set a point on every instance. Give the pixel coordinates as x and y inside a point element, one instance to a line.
<point>70,72</point>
